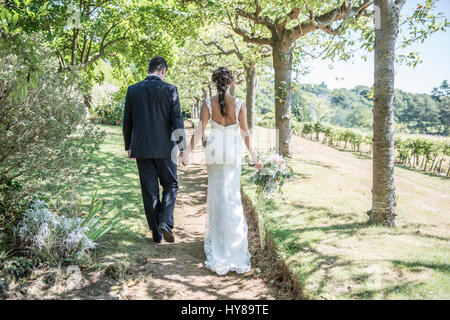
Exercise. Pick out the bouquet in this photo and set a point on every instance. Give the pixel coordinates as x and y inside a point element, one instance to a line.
<point>273,175</point>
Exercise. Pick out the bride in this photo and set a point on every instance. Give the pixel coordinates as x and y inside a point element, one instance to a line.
<point>226,244</point>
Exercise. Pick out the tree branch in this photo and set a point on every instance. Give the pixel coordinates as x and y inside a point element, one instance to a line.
<point>324,21</point>
<point>219,47</point>
<point>247,37</point>
<point>101,53</point>
<point>255,17</point>
<point>295,12</point>
<point>106,34</point>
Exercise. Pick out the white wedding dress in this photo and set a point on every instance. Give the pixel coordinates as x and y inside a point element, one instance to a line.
<point>226,243</point>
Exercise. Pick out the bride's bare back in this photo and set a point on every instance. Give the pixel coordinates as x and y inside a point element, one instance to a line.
<point>230,114</point>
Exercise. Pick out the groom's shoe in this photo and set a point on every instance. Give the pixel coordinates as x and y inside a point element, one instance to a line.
<point>157,238</point>
<point>166,232</point>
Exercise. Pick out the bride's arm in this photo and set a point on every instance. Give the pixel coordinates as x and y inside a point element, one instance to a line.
<point>199,130</point>
<point>245,134</point>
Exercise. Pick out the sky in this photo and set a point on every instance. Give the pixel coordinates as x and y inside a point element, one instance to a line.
<point>435,53</point>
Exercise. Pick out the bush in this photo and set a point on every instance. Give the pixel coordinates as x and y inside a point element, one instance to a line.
<point>110,113</point>
<point>267,120</point>
<point>307,128</point>
<point>56,239</point>
<point>18,267</point>
<point>422,151</point>
<point>110,110</point>
<point>51,237</point>
<point>46,135</point>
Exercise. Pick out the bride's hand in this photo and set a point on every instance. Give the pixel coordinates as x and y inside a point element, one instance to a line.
<point>185,159</point>
<point>258,164</point>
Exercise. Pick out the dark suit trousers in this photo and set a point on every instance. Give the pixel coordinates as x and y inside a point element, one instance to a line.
<point>158,210</point>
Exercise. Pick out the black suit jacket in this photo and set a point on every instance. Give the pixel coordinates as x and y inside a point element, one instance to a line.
<point>152,113</point>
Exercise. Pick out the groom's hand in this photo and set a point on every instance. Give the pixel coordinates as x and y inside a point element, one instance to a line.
<point>179,157</point>
<point>129,155</point>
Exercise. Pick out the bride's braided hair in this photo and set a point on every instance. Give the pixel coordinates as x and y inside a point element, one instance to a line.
<point>222,77</point>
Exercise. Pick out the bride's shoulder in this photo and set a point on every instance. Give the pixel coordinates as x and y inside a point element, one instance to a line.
<point>207,102</point>
<point>240,103</point>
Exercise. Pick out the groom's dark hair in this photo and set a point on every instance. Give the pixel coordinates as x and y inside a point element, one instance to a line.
<point>157,63</point>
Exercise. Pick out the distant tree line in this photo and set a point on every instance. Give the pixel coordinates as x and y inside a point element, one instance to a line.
<point>414,113</point>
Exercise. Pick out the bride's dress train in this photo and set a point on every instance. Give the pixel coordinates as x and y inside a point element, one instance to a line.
<point>226,241</point>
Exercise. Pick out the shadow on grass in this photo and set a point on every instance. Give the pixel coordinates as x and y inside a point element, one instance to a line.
<point>316,267</point>
<point>304,241</point>
<point>417,266</point>
<point>315,163</point>
<point>385,291</point>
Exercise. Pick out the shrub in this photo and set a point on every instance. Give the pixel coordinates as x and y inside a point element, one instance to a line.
<point>18,267</point>
<point>267,120</point>
<point>110,113</point>
<point>411,150</point>
<point>56,239</point>
<point>318,128</point>
<point>45,134</point>
<point>109,110</point>
<point>51,237</point>
<point>307,129</point>
<point>429,153</point>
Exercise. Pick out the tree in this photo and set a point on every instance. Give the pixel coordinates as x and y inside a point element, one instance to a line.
<point>383,188</point>
<point>81,33</point>
<point>442,90</point>
<point>442,96</point>
<point>387,22</point>
<point>274,27</point>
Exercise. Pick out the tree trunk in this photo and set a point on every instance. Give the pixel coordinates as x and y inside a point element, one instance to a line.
<point>74,46</point>
<point>250,94</point>
<point>282,64</point>
<point>233,88</point>
<point>383,188</point>
<point>210,90</point>
<point>87,99</point>
<point>197,108</point>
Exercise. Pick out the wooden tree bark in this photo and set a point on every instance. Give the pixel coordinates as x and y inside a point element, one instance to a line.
<point>383,188</point>
<point>282,64</point>
<point>250,79</point>
<point>233,89</point>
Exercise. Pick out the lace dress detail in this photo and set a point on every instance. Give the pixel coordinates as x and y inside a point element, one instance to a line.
<point>226,240</point>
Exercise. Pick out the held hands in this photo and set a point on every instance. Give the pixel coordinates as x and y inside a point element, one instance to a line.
<point>184,157</point>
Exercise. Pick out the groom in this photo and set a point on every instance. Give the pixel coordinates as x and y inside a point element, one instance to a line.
<point>151,117</point>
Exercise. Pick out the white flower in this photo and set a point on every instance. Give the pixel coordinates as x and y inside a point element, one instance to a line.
<point>44,231</point>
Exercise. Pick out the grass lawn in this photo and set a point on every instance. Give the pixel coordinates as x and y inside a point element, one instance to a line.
<point>321,232</point>
<point>117,182</point>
